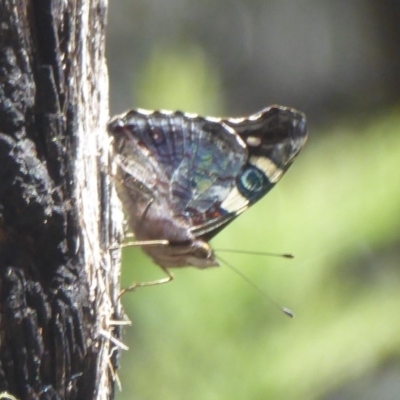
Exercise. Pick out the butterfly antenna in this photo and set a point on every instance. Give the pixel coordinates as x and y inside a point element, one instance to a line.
<point>256,253</point>
<point>285,310</point>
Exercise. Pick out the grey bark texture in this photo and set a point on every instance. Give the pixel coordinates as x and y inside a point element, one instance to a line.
<point>59,214</point>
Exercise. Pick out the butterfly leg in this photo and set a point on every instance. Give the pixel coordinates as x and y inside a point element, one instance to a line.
<point>161,281</point>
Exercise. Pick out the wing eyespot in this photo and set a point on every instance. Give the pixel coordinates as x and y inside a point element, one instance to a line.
<point>251,182</point>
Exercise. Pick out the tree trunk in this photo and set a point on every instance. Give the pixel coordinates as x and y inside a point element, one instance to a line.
<point>59,214</point>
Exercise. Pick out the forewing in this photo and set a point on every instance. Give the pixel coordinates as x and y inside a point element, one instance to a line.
<point>274,138</point>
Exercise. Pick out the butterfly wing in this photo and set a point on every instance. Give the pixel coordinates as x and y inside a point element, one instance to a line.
<point>206,171</point>
<point>273,137</point>
<point>186,161</point>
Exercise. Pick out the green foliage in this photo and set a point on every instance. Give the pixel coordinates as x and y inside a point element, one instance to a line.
<point>179,78</point>
<point>208,335</point>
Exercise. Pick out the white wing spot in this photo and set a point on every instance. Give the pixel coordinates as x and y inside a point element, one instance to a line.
<point>266,165</point>
<point>235,202</point>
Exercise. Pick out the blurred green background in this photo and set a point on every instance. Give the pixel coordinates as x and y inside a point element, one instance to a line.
<point>208,335</point>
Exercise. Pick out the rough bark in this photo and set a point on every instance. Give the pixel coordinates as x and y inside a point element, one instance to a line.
<point>59,215</point>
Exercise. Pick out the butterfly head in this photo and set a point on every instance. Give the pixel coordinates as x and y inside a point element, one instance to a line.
<point>196,253</point>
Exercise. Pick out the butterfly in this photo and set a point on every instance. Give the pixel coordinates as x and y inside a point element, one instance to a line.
<point>182,177</point>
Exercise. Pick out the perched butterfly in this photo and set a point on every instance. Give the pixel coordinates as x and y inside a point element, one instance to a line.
<point>183,178</point>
